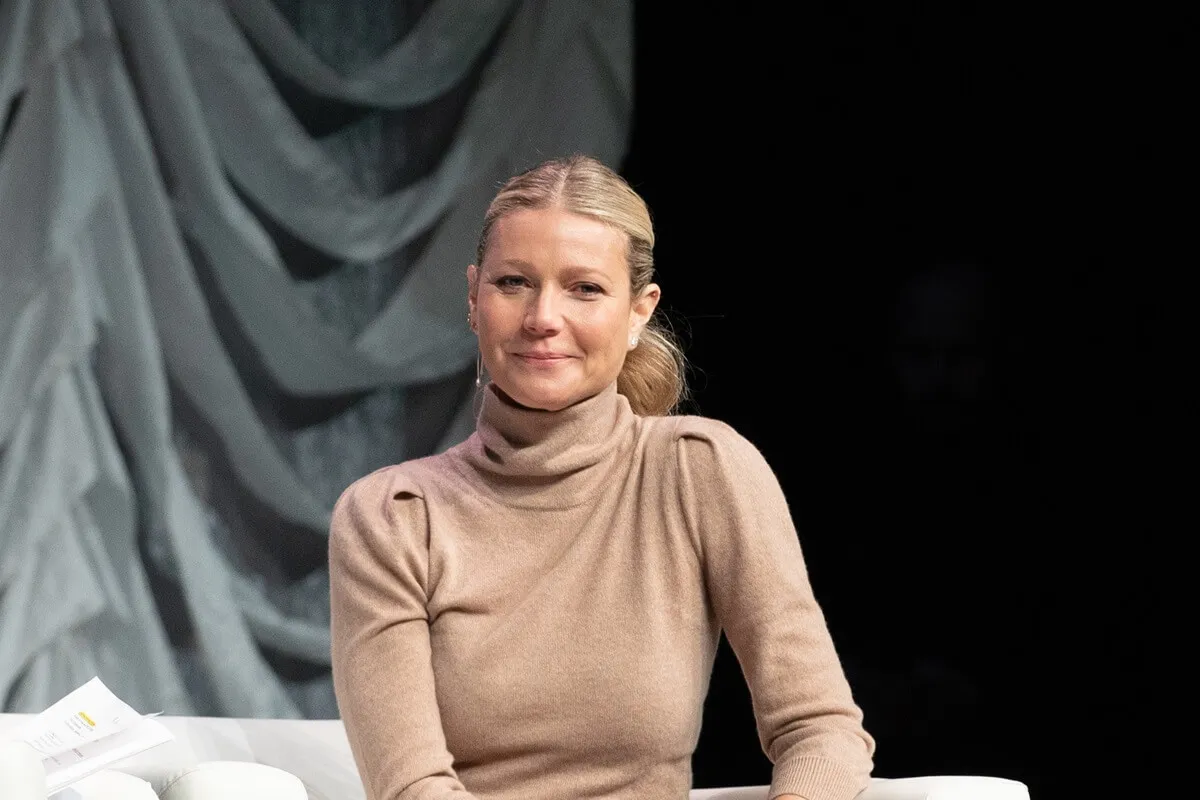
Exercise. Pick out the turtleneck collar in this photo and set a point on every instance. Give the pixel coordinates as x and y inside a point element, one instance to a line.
<point>539,457</point>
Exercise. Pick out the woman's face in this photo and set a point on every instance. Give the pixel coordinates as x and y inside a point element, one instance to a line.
<point>552,306</point>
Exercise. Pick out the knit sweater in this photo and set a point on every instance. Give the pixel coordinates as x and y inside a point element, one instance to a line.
<point>534,614</point>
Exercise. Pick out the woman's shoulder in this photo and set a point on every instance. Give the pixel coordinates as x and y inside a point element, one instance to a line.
<point>373,509</point>
<point>377,496</point>
<point>407,479</point>
<point>680,431</point>
<point>704,447</point>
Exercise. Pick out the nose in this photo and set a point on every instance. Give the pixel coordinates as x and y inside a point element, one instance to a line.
<point>543,316</point>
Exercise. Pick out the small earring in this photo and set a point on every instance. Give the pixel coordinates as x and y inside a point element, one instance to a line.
<point>633,341</point>
<point>478,372</point>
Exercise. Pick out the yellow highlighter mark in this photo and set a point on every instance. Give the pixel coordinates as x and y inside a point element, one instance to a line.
<point>87,719</point>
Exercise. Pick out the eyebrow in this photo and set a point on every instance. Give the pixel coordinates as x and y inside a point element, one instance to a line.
<point>571,269</point>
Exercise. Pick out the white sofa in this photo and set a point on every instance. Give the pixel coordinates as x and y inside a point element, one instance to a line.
<point>213,758</point>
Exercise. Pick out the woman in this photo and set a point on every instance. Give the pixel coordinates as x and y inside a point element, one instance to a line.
<point>534,613</point>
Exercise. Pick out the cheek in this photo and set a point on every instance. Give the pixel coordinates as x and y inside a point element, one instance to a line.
<point>605,334</point>
<point>497,322</point>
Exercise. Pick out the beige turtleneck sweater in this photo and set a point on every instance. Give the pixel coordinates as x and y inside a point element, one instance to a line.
<point>533,615</point>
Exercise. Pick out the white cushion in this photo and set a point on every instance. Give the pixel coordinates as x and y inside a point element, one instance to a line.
<point>108,785</point>
<point>22,776</point>
<point>232,780</point>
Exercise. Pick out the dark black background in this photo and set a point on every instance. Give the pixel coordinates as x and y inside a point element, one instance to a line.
<point>989,584</point>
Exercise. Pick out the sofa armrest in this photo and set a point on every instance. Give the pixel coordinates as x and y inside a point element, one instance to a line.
<point>730,793</point>
<point>945,787</point>
<point>934,787</point>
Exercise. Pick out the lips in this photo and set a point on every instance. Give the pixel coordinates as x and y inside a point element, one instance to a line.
<point>542,359</point>
<point>543,356</point>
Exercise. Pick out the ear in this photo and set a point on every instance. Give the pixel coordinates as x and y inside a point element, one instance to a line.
<point>472,292</point>
<point>642,308</point>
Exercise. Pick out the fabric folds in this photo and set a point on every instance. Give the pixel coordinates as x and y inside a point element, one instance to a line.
<point>178,410</point>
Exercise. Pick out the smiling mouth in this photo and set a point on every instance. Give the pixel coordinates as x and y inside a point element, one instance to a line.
<point>542,358</point>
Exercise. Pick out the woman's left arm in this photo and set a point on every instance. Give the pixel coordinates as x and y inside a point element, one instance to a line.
<point>758,585</point>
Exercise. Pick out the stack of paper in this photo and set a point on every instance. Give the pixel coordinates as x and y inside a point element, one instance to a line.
<point>87,731</point>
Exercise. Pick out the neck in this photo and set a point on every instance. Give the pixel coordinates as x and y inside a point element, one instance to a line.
<point>551,452</point>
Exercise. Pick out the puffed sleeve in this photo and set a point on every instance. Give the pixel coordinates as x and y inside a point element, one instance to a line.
<point>382,669</point>
<point>757,582</point>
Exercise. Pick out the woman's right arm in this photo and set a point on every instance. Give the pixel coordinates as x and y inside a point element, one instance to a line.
<point>382,669</point>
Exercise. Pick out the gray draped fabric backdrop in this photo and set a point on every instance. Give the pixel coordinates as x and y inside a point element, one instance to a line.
<point>233,242</point>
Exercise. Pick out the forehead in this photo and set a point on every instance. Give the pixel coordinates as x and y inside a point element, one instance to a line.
<point>554,237</point>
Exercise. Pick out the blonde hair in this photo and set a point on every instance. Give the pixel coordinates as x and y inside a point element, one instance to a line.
<point>652,378</point>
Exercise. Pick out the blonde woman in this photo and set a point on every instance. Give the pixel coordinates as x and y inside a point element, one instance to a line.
<point>534,614</point>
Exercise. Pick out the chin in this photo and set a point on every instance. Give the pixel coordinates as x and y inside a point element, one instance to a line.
<point>543,402</point>
<point>541,398</point>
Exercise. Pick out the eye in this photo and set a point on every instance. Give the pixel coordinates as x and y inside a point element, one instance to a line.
<point>509,283</point>
<point>589,289</point>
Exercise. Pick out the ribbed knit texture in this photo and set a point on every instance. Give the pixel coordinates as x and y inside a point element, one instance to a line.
<point>533,615</point>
